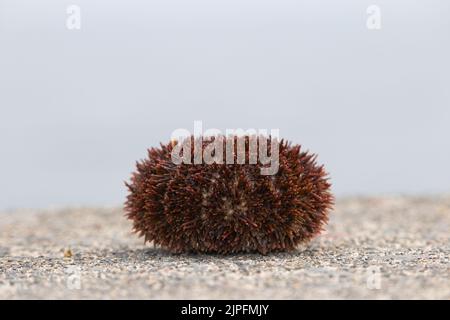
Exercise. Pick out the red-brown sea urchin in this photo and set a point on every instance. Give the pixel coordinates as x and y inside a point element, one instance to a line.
<point>228,208</point>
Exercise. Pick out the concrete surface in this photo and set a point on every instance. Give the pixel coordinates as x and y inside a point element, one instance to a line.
<point>382,248</point>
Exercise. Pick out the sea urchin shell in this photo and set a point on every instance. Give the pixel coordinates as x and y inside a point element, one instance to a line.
<point>228,208</point>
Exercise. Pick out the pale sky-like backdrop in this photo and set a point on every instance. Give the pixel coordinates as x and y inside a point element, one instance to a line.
<point>78,107</point>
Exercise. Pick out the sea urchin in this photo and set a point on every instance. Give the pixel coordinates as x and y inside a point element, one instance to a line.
<point>227,208</point>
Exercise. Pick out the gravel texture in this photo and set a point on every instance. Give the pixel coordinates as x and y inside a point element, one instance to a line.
<point>382,248</point>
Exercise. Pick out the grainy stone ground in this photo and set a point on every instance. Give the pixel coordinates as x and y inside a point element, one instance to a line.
<point>382,248</point>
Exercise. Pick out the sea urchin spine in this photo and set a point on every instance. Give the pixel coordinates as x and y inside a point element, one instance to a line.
<point>227,208</point>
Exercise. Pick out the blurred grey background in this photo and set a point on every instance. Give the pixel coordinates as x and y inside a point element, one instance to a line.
<point>78,107</point>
